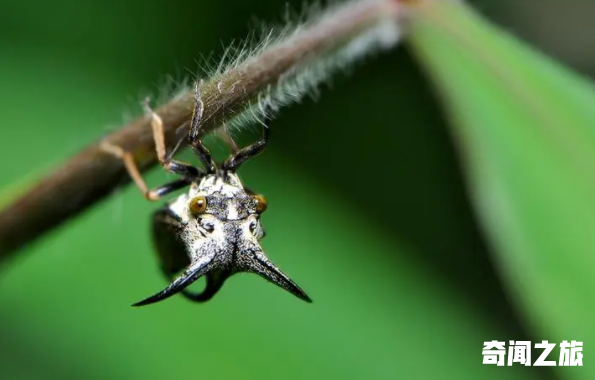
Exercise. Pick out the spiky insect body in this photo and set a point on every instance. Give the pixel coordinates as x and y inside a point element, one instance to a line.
<point>213,230</point>
<point>216,240</point>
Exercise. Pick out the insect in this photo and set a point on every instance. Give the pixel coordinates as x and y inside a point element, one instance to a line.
<point>214,229</point>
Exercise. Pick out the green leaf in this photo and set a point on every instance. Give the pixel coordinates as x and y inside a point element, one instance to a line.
<point>525,126</point>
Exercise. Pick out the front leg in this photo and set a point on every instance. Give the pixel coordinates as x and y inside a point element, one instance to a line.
<point>194,135</point>
<point>188,171</point>
<point>168,164</point>
<point>234,162</point>
<point>132,169</point>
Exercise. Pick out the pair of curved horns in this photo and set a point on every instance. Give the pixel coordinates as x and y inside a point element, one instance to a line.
<point>254,262</point>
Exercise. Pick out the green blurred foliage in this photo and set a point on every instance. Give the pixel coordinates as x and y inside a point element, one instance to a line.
<point>528,163</point>
<point>368,212</point>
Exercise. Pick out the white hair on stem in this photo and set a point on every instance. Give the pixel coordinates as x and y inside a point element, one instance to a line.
<point>247,86</point>
<point>305,76</point>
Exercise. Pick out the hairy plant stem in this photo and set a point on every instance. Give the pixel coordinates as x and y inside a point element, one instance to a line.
<point>93,174</point>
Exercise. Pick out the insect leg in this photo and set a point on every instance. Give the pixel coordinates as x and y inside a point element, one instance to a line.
<point>188,171</point>
<point>168,164</point>
<point>194,135</point>
<point>170,187</point>
<point>251,151</point>
<point>132,169</point>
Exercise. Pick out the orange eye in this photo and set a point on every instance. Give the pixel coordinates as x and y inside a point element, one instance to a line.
<point>198,205</point>
<point>261,203</point>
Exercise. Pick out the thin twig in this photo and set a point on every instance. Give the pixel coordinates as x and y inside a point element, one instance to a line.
<point>92,174</point>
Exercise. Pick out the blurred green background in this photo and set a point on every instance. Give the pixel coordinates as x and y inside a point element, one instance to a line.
<point>368,211</point>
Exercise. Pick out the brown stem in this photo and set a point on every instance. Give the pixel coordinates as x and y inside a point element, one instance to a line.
<point>92,174</point>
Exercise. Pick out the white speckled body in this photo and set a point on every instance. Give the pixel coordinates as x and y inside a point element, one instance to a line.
<point>221,240</point>
<point>230,222</point>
